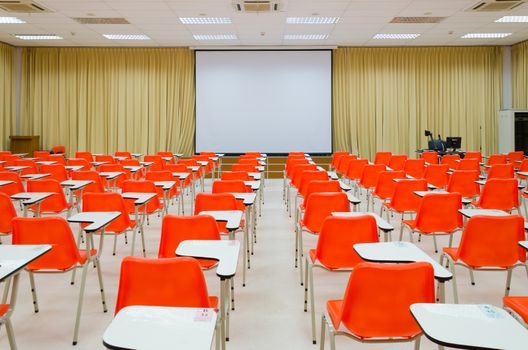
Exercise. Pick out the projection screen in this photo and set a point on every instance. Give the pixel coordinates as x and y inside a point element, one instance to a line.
<point>269,101</point>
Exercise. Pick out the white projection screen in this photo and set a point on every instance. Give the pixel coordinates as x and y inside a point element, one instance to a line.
<point>274,102</point>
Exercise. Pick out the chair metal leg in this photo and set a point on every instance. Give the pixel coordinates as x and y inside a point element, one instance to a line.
<point>115,243</point>
<point>301,254</point>
<point>10,335</point>
<point>296,243</point>
<point>472,277</point>
<point>232,280</point>
<point>323,332</point>
<point>143,242</point>
<point>33,291</point>
<point>508,281</point>
<point>101,286</point>
<point>312,297</point>
<point>306,285</point>
<point>453,281</point>
<point>331,336</point>
<point>435,244</point>
<point>80,304</point>
<point>417,342</point>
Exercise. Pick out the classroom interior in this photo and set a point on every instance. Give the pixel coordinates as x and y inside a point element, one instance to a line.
<point>256,174</point>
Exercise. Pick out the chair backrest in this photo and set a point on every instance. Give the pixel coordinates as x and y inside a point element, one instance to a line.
<point>436,174</point>
<point>158,162</point>
<point>52,230</point>
<point>385,186</point>
<point>146,186</point>
<point>59,158</point>
<point>123,154</point>
<point>235,175</point>
<point>167,155</point>
<point>41,155</point>
<point>524,165</point>
<point>414,168</point>
<point>105,158</point>
<point>108,201</point>
<point>177,168</point>
<point>56,171</point>
<point>129,162</point>
<point>468,164</point>
<point>15,187</point>
<point>439,213</point>
<point>473,155</point>
<point>430,157</point>
<point>369,177</point>
<point>463,182</point>
<point>258,154</point>
<point>86,155</point>
<point>175,229</point>
<point>291,163</point>
<point>378,297</point>
<point>404,199</point>
<point>501,194</point>
<point>397,161</point>
<point>382,158</point>
<point>344,162</point>
<point>53,204</point>
<point>252,161</point>
<point>10,159</point>
<point>309,176</point>
<point>516,156</point>
<point>58,149</point>
<point>492,241</point>
<point>79,162</point>
<point>339,234</point>
<point>298,171</point>
<point>497,159</point>
<point>355,168</point>
<point>27,162</point>
<point>231,186</point>
<point>177,282</point>
<point>336,156</point>
<point>160,175</point>
<point>243,167</point>
<point>451,160</point>
<point>318,186</point>
<point>501,171</point>
<point>7,213</point>
<point>214,201</point>
<point>321,205</point>
<point>97,184</point>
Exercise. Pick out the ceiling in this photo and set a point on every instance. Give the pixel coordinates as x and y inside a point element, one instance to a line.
<point>359,21</point>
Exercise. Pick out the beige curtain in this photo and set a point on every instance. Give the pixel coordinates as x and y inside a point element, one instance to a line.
<point>7,94</point>
<point>520,75</point>
<point>384,98</point>
<point>109,99</point>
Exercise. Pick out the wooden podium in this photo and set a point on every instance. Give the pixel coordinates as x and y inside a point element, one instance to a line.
<point>25,144</point>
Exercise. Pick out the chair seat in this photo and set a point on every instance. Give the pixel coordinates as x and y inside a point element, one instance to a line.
<point>452,252</point>
<point>207,263</point>
<point>518,304</point>
<point>4,308</point>
<point>410,223</point>
<point>334,309</point>
<point>213,302</point>
<point>84,256</point>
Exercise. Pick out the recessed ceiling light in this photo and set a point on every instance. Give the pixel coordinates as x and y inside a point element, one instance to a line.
<point>513,19</point>
<point>205,20</point>
<point>215,37</point>
<point>396,36</point>
<point>312,20</point>
<point>126,36</point>
<point>38,37</point>
<point>485,35</point>
<point>306,37</point>
<point>11,20</point>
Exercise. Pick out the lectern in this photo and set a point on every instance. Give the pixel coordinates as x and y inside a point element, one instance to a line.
<point>24,144</point>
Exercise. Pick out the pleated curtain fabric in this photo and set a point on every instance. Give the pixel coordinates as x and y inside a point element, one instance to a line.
<point>109,99</point>
<point>520,75</point>
<point>384,98</point>
<point>7,94</point>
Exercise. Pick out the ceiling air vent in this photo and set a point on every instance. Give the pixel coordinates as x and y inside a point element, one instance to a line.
<point>496,5</point>
<point>101,20</point>
<point>257,6</point>
<point>22,6</point>
<point>417,19</point>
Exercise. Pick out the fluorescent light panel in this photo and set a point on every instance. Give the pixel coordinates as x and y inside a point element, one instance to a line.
<point>513,19</point>
<point>11,20</point>
<point>485,35</point>
<point>306,37</point>
<point>312,20</point>
<point>38,37</point>
<point>401,36</point>
<point>215,37</point>
<point>205,20</point>
<point>126,36</point>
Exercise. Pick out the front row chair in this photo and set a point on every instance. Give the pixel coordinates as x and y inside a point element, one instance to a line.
<point>517,306</point>
<point>375,307</point>
<point>64,255</point>
<point>488,243</point>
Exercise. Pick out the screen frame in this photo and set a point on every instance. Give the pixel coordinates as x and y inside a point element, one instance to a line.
<point>331,99</point>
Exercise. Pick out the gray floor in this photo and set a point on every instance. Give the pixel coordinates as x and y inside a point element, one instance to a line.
<point>269,310</point>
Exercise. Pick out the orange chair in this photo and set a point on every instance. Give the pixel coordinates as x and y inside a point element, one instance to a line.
<point>79,162</point>
<point>385,186</point>
<point>307,177</point>
<point>244,167</point>
<point>231,186</point>
<point>258,154</point>
<point>415,168</point>
<point>133,162</point>
<point>382,158</point>
<point>7,213</point>
<point>296,180</point>
<point>287,174</point>
<point>176,229</point>
<point>404,200</point>
<point>397,162</point>
<point>518,307</point>
<point>181,168</point>
<point>64,255</point>
<point>451,160</point>
<point>344,163</point>
<point>369,179</point>
<point>501,194</point>
<point>192,162</point>
<point>316,186</point>
<point>209,166</point>
<point>375,307</point>
<point>235,175</point>
<point>501,171</point>
<point>152,206</point>
<point>105,158</point>
<point>333,251</point>
<point>158,162</point>
<point>474,155</point>
<point>52,205</point>
<point>10,159</point>
<point>123,154</point>
<point>174,193</point>
<point>355,170</point>
<point>85,155</point>
<point>318,207</point>
<point>111,201</point>
<point>15,187</point>
<point>56,171</point>
<point>41,155</point>
<point>175,282</point>
<point>58,158</point>
<point>111,168</point>
<point>516,156</point>
<point>167,155</point>
<point>497,159</point>
<point>430,157</point>
<point>29,163</point>
<point>96,186</point>
<point>488,243</point>
<point>216,201</point>
<point>59,149</point>
<point>463,182</point>
<point>468,164</point>
<point>335,158</point>
<point>438,215</point>
<point>436,175</point>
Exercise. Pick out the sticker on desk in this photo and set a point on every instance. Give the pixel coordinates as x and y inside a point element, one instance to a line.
<point>490,311</point>
<point>203,315</point>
